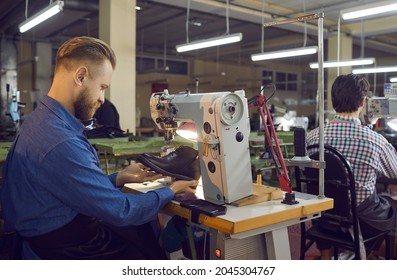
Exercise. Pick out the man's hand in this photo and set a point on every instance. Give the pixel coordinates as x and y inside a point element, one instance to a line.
<point>184,186</point>
<point>136,173</point>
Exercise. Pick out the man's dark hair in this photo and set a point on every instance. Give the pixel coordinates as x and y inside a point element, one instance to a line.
<point>347,92</point>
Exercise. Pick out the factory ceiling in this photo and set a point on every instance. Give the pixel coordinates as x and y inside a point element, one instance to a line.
<point>163,24</point>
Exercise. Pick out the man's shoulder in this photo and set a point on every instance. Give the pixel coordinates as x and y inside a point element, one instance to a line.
<point>42,134</point>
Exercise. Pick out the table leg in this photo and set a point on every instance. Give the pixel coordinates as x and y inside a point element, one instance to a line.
<point>286,151</point>
<point>106,163</point>
<point>277,244</point>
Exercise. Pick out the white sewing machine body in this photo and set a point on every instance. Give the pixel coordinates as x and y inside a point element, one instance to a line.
<point>379,107</point>
<point>223,128</point>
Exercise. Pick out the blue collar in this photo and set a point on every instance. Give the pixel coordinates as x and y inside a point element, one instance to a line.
<point>61,112</point>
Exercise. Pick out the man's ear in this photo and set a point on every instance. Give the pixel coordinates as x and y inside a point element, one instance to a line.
<point>80,74</point>
<point>363,100</point>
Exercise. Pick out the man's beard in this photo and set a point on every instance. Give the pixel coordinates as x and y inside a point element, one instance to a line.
<point>84,109</point>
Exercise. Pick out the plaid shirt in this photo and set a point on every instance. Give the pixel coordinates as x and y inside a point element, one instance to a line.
<point>368,152</point>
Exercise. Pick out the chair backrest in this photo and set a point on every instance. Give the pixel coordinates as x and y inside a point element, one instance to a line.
<point>339,184</point>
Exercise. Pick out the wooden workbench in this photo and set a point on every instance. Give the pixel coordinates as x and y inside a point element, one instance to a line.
<point>270,218</point>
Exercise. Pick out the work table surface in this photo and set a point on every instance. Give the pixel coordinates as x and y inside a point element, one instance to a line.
<point>248,217</point>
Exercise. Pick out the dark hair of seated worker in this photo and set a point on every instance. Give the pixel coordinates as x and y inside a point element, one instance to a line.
<point>107,115</point>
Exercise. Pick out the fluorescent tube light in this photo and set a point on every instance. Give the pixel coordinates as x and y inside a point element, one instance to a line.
<point>393,80</point>
<point>211,42</point>
<point>369,10</point>
<point>41,16</point>
<point>284,53</point>
<point>375,70</point>
<point>352,62</point>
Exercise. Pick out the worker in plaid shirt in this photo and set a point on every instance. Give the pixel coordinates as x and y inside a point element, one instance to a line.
<point>368,152</point>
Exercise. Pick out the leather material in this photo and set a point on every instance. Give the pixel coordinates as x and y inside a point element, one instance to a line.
<point>182,164</point>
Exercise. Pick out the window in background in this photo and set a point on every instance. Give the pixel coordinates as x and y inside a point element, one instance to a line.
<point>267,77</point>
<point>153,64</point>
<point>175,66</point>
<point>292,82</point>
<point>281,80</point>
<point>145,63</point>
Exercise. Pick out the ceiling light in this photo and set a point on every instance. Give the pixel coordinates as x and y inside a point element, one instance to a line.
<point>375,70</point>
<point>41,16</point>
<point>369,10</point>
<point>211,42</point>
<point>197,22</point>
<point>393,80</point>
<point>343,63</point>
<point>284,53</point>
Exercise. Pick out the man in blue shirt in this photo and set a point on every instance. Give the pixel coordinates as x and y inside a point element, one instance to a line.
<point>54,193</point>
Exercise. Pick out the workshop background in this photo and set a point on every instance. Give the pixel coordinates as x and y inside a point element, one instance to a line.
<point>27,60</point>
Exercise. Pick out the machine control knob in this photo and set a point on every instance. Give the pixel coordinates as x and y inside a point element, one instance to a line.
<point>173,109</point>
<point>160,106</point>
<point>232,109</point>
<point>239,136</point>
<point>211,167</point>
<point>207,127</point>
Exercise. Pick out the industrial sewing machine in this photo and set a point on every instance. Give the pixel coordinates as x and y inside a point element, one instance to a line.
<point>222,124</point>
<point>378,107</point>
<point>223,128</point>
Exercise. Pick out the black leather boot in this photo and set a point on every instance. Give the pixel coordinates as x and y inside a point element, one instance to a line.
<point>182,164</point>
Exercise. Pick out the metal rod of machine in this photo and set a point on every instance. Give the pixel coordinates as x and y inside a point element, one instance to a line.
<point>320,93</point>
<point>292,20</point>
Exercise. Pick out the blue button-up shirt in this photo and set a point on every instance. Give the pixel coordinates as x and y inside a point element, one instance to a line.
<point>52,173</point>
